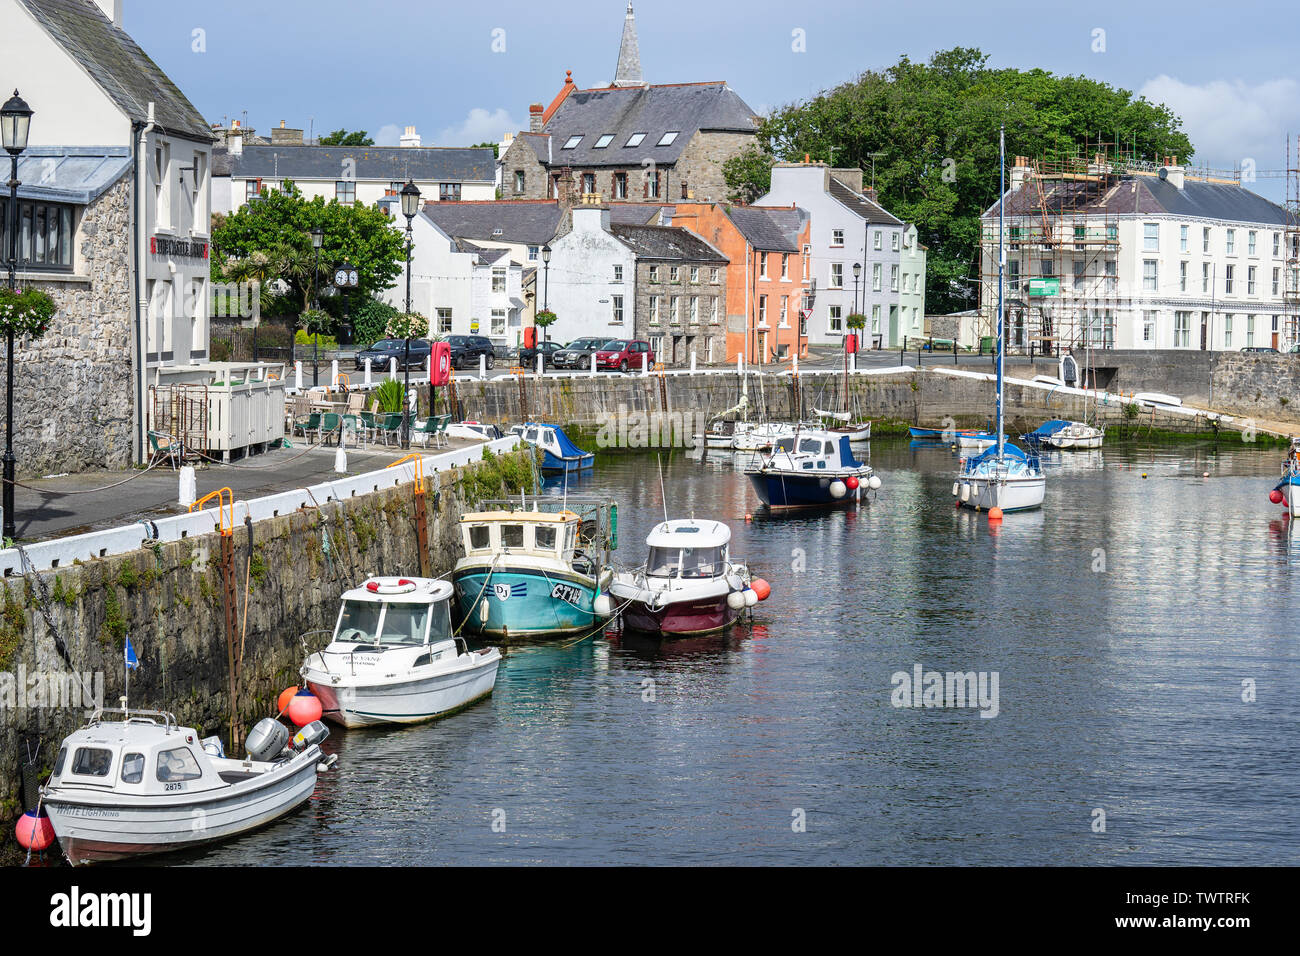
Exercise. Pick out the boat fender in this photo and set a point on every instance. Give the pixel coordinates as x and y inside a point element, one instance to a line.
<point>1275,496</point>
<point>602,605</point>
<point>965,492</point>
<point>751,597</point>
<point>851,482</point>
<point>34,830</point>
<point>956,489</point>
<point>304,708</point>
<point>838,489</point>
<point>761,588</point>
<point>736,600</point>
<point>874,482</point>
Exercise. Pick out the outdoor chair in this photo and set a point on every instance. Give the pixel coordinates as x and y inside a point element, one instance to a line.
<point>310,424</point>
<point>162,446</point>
<point>330,424</point>
<point>391,427</point>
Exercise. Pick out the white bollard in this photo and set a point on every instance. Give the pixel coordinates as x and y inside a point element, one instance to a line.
<point>541,369</point>
<point>340,460</point>
<point>368,382</point>
<point>482,368</point>
<point>645,364</point>
<point>853,362</point>
<point>334,374</point>
<point>740,364</point>
<point>428,377</point>
<point>692,361</point>
<point>261,372</point>
<point>297,376</point>
<point>795,365</point>
<point>593,364</point>
<point>392,368</point>
<point>189,487</point>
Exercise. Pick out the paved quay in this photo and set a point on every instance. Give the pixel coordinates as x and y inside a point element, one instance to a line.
<point>89,501</point>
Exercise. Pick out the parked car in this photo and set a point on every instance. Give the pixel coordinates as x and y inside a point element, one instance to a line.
<point>1260,348</point>
<point>384,351</point>
<point>528,357</point>
<point>624,354</point>
<point>577,354</point>
<point>466,349</point>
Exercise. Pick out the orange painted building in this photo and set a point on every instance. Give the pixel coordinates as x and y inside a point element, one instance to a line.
<point>769,279</point>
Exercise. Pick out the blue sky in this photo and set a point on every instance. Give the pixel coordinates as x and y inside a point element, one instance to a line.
<point>1228,69</point>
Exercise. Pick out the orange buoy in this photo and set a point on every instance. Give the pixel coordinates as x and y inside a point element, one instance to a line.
<point>34,832</point>
<point>761,588</point>
<point>282,702</point>
<point>748,516</point>
<point>304,708</point>
<point>995,514</point>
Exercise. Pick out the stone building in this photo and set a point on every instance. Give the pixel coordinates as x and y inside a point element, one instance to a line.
<point>114,213</point>
<point>629,141</point>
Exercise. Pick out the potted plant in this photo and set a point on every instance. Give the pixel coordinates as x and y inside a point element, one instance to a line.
<point>856,321</point>
<point>27,312</point>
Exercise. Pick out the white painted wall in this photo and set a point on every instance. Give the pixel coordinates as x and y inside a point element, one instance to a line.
<point>580,286</point>
<point>368,191</point>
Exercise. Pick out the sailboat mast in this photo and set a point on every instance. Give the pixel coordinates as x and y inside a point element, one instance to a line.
<point>1002,258</point>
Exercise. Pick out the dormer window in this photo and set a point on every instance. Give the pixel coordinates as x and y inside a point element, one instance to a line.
<point>604,141</point>
<point>667,138</point>
<point>573,141</point>
<point>497,232</point>
<point>634,140</point>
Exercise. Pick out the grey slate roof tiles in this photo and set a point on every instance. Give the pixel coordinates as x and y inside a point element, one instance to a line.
<point>666,242</point>
<point>126,73</point>
<point>381,163</point>
<point>529,222</point>
<point>762,230</point>
<point>1149,196</point>
<point>862,206</point>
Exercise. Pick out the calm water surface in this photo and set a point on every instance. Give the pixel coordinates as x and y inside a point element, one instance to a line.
<point>1119,689</point>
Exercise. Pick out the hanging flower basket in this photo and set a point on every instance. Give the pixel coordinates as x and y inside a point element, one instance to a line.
<point>317,321</point>
<point>25,313</point>
<point>544,318</point>
<point>408,325</point>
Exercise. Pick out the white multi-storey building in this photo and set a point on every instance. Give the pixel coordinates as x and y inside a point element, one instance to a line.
<point>1149,259</point>
<point>849,228</point>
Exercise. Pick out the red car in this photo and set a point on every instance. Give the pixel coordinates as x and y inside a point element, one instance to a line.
<point>625,355</point>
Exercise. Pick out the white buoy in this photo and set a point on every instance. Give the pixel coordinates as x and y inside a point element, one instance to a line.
<point>838,489</point>
<point>965,492</point>
<point>189,487</point>
<point>751,597</point>
<point>955,489</point>
<point>874,482</point>
<point>736,600</point>
<point>340,460</point>
<point>603,606</point>
<point>484,610</point>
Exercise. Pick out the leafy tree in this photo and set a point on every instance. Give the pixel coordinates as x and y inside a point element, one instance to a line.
<point>370,321</point>
<point>269,240</point>
<point>748,174</point>
<point>495,147</point>
<point>932,131</point>
<point>341,137</point>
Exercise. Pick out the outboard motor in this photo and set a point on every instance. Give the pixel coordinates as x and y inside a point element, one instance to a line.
<point>311,734</point>
<point>267,738</point>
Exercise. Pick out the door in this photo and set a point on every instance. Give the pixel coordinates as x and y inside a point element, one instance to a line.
<point>762,347</point>
<point>1205,331</point>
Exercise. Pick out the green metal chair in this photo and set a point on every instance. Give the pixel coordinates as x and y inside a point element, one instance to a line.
<point>391,427</point>
<point>310,424</point>
<point>330,424</point>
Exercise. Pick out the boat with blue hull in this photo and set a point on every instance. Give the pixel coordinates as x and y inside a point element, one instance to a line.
<point>811,469</point>
<point>559,453</point>
<point>530,572</point>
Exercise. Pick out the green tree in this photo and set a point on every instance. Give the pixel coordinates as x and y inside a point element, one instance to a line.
<point>341,137</point>
<point>495,147</point>
<point>932,131</point>
<point>269,240</point>
<point>748,174</point>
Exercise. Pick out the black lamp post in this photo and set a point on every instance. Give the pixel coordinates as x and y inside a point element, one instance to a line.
<point>317,240</point>
<point>410,206</point>
<point>857,274</point>
<point>15,121</point>
<point>546,288</point>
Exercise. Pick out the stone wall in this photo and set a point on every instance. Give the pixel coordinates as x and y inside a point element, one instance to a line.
<point>1257,383</point>
<point>72,386</point>
<point>700,165</point>
<point>520,156</point>
<point>701,332</point>
<point>170,601</point>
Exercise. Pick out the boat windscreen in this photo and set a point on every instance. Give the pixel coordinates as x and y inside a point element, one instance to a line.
<point>785,444</point>
<point>358,621</point>
<point>810,446</point>
<point>703,562</point>
<point>404,624</point>
<point>440,628</point>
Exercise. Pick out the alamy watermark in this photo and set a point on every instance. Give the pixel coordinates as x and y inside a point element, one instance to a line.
<point>922,688</point>
<point>21,690</point>
<point>631,429</point>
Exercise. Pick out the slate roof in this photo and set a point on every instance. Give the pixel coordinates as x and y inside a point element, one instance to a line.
<point>762,229</point>
<point>653,110</point>
<point>862,206</point>
<point>72,174</point>
<point>666,242</point>
<point>530,222</point>
<point>485,256</point>
<point>637,213</point>
<point>119,66</point>
<point>1149,196</point>
<point>376,163</point>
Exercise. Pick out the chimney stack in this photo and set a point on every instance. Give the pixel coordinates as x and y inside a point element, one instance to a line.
<point>410,137</point>
<point>535,117</point>
<point>1020,173</point>
<point>111,9</point>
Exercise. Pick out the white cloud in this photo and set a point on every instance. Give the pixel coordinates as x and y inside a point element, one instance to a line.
<point>1229,121</point>
<point>480,126</point>
<point>388,135</point>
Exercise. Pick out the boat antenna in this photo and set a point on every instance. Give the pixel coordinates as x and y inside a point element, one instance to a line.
<point>663,495</point>
<point>1002,258</point>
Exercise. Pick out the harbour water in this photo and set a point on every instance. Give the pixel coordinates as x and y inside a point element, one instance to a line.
<point>1125,622</point>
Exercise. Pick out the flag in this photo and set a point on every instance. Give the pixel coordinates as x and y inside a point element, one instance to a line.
<point>131,660</point>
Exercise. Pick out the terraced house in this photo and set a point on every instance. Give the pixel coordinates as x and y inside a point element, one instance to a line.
<point>629,141</point>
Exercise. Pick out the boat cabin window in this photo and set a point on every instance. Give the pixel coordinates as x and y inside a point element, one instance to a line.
<point>58,761</point>
<point>785,444</point>
<point>569,534</point>
<point>440,625</point>
<point>811,446</point>
<point>358,621</point>
<point>512,536</point>
<point>133,768</point>
<point>544,536</point>
<point>703,562</point>
<point>531,436</point>
<point>480,537</point>
<point>178,764</point>
<point>92,762</point>
<point>404,624</point>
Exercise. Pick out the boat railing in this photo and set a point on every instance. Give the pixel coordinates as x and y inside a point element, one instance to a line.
<point>134,714</point>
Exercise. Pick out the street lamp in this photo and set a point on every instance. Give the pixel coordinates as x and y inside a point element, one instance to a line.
<point>317,240</point>
<point>546,288</point>
<point>410,206</point>
<point>15,121</point>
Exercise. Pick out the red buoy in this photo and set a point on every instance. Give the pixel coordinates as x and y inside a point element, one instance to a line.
<point>304,708</point>
<point>34,832</point>
<point>1275,496</point>
<point>282,702</point>
<point>995,514</point>
<point>761,588</point>
<point>851,482</point>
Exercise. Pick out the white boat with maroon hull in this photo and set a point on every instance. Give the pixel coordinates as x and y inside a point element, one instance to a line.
<point>142,784</point>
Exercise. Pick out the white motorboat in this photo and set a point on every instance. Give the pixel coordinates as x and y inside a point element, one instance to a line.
<point>142,784</point>
<point>688,584</point>
<point>1075,435</point>
<point>760,436</point>
<point>1003,477</point>
<point>474,431</point>
<point>393,657</point>
<point>977,441</point>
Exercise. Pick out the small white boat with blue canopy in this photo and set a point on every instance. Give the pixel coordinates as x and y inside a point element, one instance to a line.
<point>140,784</point>
<point>394,658</point>
<point>1004,476</point>
<point>811,468</point>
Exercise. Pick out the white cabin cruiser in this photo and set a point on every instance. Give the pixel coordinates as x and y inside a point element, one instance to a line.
<point>688,584</point>
<point>393,657</point>
<point>142,784</point>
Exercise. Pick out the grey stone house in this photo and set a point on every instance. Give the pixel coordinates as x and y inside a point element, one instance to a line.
<point>629,141</point>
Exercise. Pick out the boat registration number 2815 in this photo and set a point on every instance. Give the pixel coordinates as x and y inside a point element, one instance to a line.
<point>566,592</point>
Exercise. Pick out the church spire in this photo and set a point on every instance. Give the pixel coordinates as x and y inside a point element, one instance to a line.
<point>628,72</point>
